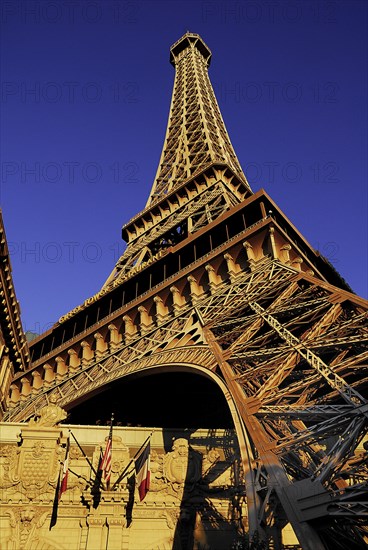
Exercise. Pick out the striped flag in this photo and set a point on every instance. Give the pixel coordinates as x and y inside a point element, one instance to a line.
<point>105,464</point>
<point>142,470</point>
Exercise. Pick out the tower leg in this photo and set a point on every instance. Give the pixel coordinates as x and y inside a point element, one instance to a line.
<point>277,478</point>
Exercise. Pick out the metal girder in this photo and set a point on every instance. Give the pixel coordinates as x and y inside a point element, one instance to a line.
<point>283,431</point>
<point>117,363</point>
<point>287,364</point>
<point>131,256</point>
<point>318,431</point>
<point>307,412</point>
<point>350,395</point>
<point>196,134</point>
<point>277,477</point>
<point>340,452</point>
<point>244,335</point>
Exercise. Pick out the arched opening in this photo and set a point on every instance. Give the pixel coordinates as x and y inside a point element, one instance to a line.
<point>157,399</point>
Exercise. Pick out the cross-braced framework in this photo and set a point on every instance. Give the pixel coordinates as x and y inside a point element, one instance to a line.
<point>196,135</point>
<point>293,353</point>
<point>218,281</point>
<point>296,360</point>
<point>196,138</point>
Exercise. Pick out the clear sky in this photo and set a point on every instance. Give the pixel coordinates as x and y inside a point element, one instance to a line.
<point>85,94</point>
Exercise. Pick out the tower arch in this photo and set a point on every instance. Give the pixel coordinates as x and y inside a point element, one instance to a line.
<point>133,397</point>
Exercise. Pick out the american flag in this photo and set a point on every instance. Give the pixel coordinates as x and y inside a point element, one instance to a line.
<point>105,464</point>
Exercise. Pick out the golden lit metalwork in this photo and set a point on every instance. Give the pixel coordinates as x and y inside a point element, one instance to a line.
<point>216,280</point>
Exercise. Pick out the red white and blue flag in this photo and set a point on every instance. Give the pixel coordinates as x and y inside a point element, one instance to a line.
<point>105,464</point>
<point>142,470</point>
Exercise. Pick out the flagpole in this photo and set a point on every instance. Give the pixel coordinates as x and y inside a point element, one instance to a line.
<point>60,488</point>
<point>105,466</point>
<point>97,483</point>
<point>55,504</point>
<point>121,476</point>
<point>84,454</point>
<point>88,481</point>
<point>110,436</point>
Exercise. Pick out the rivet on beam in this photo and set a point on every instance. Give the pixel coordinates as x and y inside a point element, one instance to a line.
<point>14,395</point>
<point>37,382</point>
<point>250,254</point>
<point>49,376</point>
<point>232,268</point>
<point>145,319</point>
<point>196,291</point>
<point>61,368</point>
<point>271,234</point>
<point>297,263</point>
<point>26,388</point>
<point>285,254</point>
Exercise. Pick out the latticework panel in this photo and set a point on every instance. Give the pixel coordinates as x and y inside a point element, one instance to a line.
<point>158,238</point>
<point>295,358</point>
<point>290,349</point>
<point>292,352</point>
<point>196,134</point>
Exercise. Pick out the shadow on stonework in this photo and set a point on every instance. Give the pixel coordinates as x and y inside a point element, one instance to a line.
<point>200,526</point>
<point>130,504</point>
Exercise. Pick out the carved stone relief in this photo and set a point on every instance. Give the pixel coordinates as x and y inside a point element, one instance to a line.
<point>49,416</point>
<point>8,464</point>
<point>26,523</point>
<point>182,468</point>
<point>180,487</point>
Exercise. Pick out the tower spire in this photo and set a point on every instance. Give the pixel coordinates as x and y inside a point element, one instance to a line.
<point>199,176</point>
<point>196,135</point>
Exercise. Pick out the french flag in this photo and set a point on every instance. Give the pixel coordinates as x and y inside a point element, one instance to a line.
<point>142,470</point>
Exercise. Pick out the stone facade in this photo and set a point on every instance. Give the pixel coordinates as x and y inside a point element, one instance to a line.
<point>195,498</point>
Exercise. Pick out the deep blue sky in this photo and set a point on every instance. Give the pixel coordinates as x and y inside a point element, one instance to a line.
<point>290,78</point>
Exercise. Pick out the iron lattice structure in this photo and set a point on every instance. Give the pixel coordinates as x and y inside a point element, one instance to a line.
<point>216,280</point>
<point>196,135</point>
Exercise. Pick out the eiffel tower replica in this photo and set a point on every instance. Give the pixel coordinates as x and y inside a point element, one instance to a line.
<point>215,280</point>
